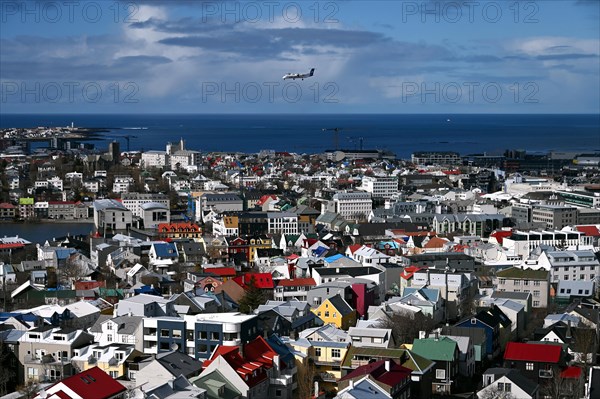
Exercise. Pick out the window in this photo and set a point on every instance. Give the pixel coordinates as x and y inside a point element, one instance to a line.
<point>529,366</point>
<point>119,356</point>
<point>536,303</point>
<point>114,374</point>
<point>317,351</point>
<point>109,326</point>
<point>507,387</point>
<point>176,333</point>
<point>536,293</point>
<point>335,353</point>
<point>203,334</point>
<point>109,337</point>
<point>536,283</point>
<point>501,387</point>
<point>278,392</point>
<point>440,374</point>
<point>164,333</point>
<point>326,313</point>
<point>165,346</point>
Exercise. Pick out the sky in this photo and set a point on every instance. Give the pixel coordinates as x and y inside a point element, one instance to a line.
<point>176,56</point>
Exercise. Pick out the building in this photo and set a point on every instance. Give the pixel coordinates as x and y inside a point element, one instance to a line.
<point>555,216</point>
<point>572,265</point>
<point>134,201</point>
<point>282,223</point>
<point>444,352</point>
<point>581,198</point>
<point>536,361</point>
<point>436,158</point>
<point>535,282</point>
<point>154,159</point>
<point>335,310</point>
<point>47,352</point>
<point>111,214</point>
<point>154,214</point>
<point>469,224</point>
<point>352,205</point>
<point>380,187</point>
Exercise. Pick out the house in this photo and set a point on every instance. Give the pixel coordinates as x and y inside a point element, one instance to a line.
<point>47,351</point>
<point>387,375</point>
<point>536,361</point>
<point>89,384</point>
<point>112,359</point>
<point>293,288</point>
<point>178,388</point>
<point>164,367</point>
<point>507,381</point>
<point>513,310</point>
<point>536,282</point>
<point>444,352</point>
<point>335,310</point>
<point>327,357</point>
<point>371,337</point>
<point>249,378</point>
<point>121,329</point>
<point>496,326</point>
<point>363,388</point>
<point>217,386</point>
<point>467,354</point>
<point>478,338</point>
<point>110,214</point>
<point>162,255</point>
<point>286,318</point>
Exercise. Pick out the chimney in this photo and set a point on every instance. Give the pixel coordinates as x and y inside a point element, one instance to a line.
<point>422,335</point>
<point>388,365</point>
<point>437,335</point>
<point>351,383</point>
<point>316,389</point>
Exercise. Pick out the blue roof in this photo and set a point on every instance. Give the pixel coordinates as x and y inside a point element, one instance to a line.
<point>282,350</point>
<point>431,294</point>
<point>165,250</point>
<point>146,289</point>
<point>64,253</point>
<point>320,251</point>
<point>333,258</point>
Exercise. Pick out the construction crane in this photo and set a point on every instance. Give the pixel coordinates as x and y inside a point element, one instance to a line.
<point>353,140</point>
<point>336,135</point>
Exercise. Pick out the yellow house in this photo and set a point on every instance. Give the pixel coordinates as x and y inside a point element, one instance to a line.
<point>326,356</point>
<point>336,311</point>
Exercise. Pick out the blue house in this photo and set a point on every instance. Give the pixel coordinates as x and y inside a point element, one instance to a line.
<point>494,322</point>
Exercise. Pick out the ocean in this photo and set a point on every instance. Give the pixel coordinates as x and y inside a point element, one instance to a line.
<point>303,133</point>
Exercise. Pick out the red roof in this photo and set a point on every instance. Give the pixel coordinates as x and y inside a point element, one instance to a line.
<point>250,371</point>
<point>90,384</point>
<point>12,245</point>
<point>261,280</point>
<point>6,205</point>
<point>409,271</point>
<point>354,248</point>
<point>377,371</point>
<point>500,235</point>
<point>259,351</point>
<point>590,231</point>
<point>293,257</point>
<point>571,372</point>
<point>297,282</point>
<point>542,353</point>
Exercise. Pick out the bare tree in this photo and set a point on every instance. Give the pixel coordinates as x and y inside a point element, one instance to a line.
<point>306,377</point>
<point>406,326</point>
<point>29,389</point>
<point>560,387</point>
<point>492,392</point>
<point>72,271</point>
<point>586,345</point>
<point>7,374</point>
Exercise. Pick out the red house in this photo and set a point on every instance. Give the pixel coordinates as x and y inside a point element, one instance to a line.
<point>90,384</point>
<point>538,362</point>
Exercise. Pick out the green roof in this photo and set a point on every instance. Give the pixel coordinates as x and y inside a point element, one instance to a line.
<point>441,349</point>
<point>518,273</point>
<point>407,358</point>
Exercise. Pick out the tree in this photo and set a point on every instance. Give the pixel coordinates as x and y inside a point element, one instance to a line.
<point>586,345</point>
<point>560,387</point>
<point>406,326</point>
<point>253,298</point>
<point>492,392</point>
<point>7,374</point>
<point>29,389</point>
<point>306,379</point>
<point>73,270</point>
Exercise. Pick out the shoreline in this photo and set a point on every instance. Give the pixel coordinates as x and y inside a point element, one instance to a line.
<point>49,221</point>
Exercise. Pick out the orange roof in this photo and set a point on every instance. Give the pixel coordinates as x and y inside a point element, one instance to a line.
<point>435,242</point>
<point>409,271</point>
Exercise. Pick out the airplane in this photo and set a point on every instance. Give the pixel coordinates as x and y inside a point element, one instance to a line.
<point>295,76</point>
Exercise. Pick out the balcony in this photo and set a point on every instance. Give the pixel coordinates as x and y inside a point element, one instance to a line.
<point>545,374</point>
<point>327,377</point>
<point>283,380</point>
